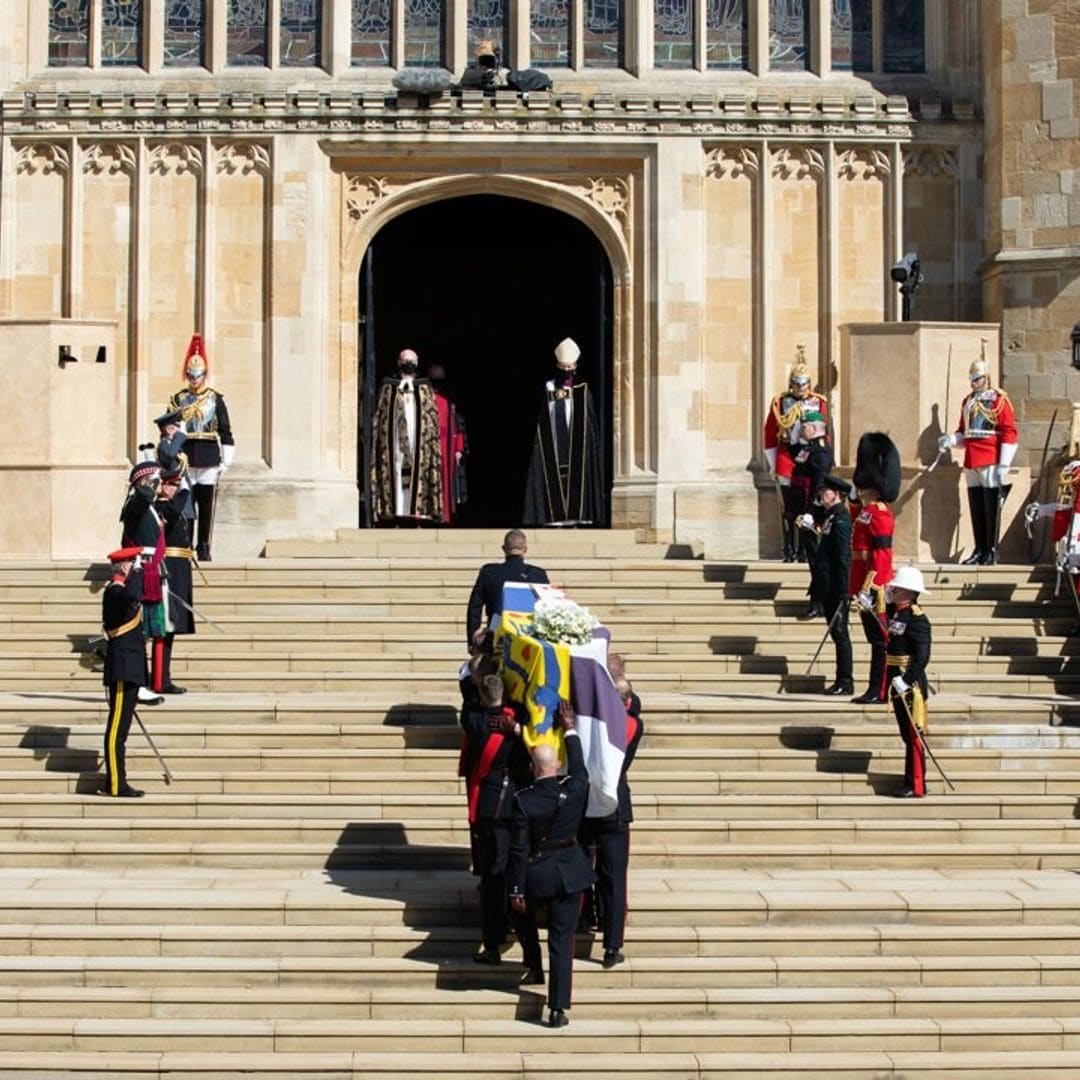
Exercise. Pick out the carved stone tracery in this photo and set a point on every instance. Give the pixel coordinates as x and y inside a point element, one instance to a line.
<point>44,158</point>
<point>243,158</point>
<point>731,162</point>
<point>175,158</point>
<point>797,163</point>
<point>111,158</point>
<point>863,163</point>
<point>931,161</point>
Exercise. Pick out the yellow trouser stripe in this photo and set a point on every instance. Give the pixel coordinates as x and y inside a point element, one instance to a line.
<point>110,739</point>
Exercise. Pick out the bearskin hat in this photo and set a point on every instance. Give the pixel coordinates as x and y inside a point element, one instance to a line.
<point>877,465</point>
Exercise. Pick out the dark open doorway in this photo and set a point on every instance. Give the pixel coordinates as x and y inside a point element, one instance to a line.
<point>487,286</point>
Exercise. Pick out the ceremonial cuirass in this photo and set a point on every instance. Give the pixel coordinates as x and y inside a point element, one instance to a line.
<point>200,411</point>
<point>980,414</point>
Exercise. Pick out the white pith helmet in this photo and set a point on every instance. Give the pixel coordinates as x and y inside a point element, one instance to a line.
<point>910,578</point>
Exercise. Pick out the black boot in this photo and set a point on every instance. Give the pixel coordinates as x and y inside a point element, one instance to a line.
<point>167,685</point>
<point>978,525</point>
<point>789,539</point>
<point>204,508</point>
<point>992,512</point>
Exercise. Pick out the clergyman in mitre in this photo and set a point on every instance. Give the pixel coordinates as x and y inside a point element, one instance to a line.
<point>564,484</point>
<point>406,460</point>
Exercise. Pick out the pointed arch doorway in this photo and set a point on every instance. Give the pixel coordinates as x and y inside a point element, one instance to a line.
<point>487,286</point>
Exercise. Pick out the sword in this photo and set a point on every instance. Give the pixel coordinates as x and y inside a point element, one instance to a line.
<point>157,753</point>
<point>921,736</point>
<point>195,563</point>
<point>948,385</point>
<point>197,614</point>
<point>828,631</point>
<point>1034,554</point>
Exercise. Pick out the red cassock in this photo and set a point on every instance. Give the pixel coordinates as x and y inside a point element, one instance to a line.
<point>986,421</point>
<point>452,442</point>
<point>780,420</point>
<point>871,545</point>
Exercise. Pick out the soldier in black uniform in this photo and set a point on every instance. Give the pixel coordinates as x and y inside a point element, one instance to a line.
<point>172,505</point>
<point>143,528</point>
<point>486,595</point>
<point>609,839</point>
<point>906,660</point>
<point>495,765</point>
<point>830,569</point>
<point>548,867</point>
<point>125,664</point>
<point>813,458</point>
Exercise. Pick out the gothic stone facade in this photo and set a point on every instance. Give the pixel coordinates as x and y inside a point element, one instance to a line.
<point>742,212</point>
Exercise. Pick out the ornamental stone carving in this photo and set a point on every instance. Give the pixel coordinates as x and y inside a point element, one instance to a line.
<point>43,158</point>
<point>175,159</point>
<point>863,163</point>
<point>931,161</point>
<point>364,193</point>
<point>243,158</point>
<point>797,163</point>
<point>732,162</point>
<point>108,158</point>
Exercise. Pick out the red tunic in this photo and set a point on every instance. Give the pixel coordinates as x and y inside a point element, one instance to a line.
<point>777,434</point>
<point>871,545</point>
<point>453,443</point>
<point>986,421</point>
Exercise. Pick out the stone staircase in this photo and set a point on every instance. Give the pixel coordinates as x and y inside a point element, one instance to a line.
<point>298,903</point>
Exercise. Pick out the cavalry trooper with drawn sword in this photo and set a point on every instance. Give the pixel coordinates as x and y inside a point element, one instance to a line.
<point>208,440</point>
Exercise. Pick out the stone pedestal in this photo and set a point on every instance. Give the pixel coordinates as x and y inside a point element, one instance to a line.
<point>908,379</point>
<point>64,470</point>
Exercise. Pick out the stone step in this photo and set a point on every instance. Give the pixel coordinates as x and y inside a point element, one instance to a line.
<point>772,680</point>
<point>98,851</point>
<point>557,1062</point>
<point>617,1035</point>
<point>660,800</point>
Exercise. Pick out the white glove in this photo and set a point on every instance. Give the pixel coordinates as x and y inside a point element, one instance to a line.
<point>945,441</point>
<point>1031,513</point>
<point>853,494</point>
<point>899,686</point>
<point>805,521</point>
<point>137,564</point>
<point>1001,473</point>
<point>865,601</point>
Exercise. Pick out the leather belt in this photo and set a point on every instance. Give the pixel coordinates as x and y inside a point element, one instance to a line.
<point>178,553</point>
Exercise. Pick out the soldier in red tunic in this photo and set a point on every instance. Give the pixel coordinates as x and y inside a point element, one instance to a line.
<point>877,478</point>
<point>987,432</point>
<point>784,440</point>
<point>1065,530</point>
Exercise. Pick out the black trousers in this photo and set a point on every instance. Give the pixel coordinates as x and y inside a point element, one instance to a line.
<point>123,697</point>
<point>841,636</point>
<point>875,634</point>
<point>491,844</point>
<point>562,916</point>
<point>609,843</point>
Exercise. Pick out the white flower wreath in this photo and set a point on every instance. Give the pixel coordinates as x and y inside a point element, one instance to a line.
<point>562,621</point>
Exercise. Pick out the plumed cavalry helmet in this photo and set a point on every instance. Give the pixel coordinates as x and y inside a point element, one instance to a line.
<point>800,373</point>
<point>877,465</point>
<point>909,577</point>
<point>980,369</point>
<point>195,363</point>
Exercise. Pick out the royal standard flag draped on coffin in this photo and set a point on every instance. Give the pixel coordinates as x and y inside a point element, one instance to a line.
<point>538,673</point>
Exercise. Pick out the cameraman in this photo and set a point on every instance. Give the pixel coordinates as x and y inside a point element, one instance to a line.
<point>487,73</point>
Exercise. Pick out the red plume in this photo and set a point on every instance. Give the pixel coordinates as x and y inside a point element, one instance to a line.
<point>195,346</point>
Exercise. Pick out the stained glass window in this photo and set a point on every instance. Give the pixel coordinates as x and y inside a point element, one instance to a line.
<point>603,37</point>
<point>121,33</point>
<point>905,44</point>
<point>424,32</point>
<point>371,33</point>
<point>69,33</point>
<point>488,19</point>
<point>549,33</point>
<point>184,33</point>
<point>246,32</point>
<point>852,35</point>
<point>727,33</point>
<point>789,34</point>
<point>301,25</point>
<point>673,34</point>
